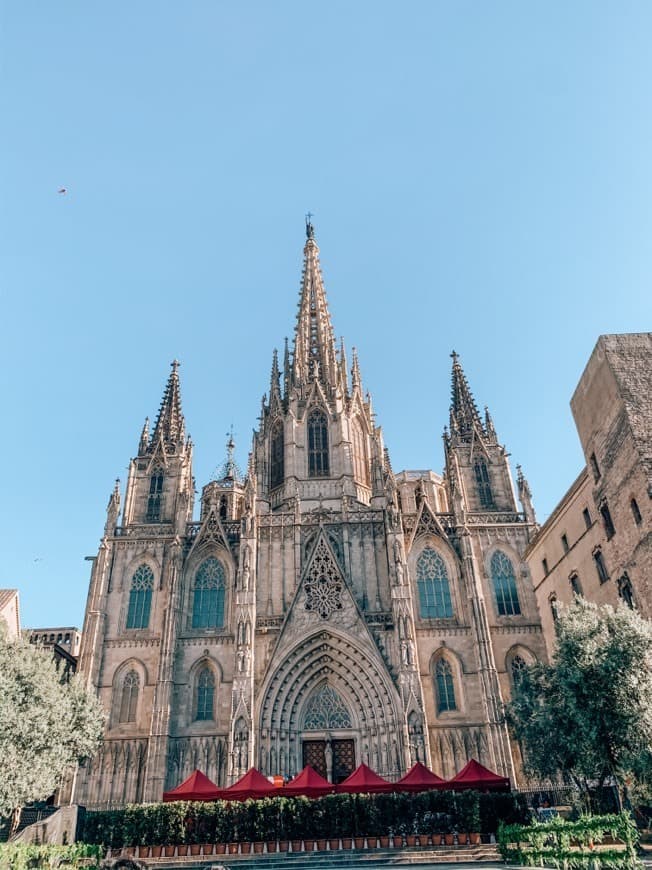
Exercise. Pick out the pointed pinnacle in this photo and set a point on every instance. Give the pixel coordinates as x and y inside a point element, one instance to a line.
<point>464,412</point>
<point>356,379</point>
<point>170,424</point>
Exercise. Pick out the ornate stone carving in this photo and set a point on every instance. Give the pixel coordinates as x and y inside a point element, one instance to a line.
<point>323,584</point>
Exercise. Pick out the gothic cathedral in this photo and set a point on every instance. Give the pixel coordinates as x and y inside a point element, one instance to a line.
<point>323,609</point>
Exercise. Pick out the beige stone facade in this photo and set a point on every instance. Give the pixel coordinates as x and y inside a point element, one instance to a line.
<point>598,540</point>
<point>322,608</point>
<point>10,611</point>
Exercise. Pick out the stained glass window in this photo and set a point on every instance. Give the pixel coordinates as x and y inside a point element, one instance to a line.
<point>318,465</point>
<point>277,459</point>
<point>483,484</point>
<point>326,710</point>
<point>445,686</point>
<point>154,499</point>
<point>140,597</point>
<point>129,697</point>
<point>517,666</point>
<point>434,590</point>
<point>205,694</point>
<point>502,575</point>
<point>208,595</point>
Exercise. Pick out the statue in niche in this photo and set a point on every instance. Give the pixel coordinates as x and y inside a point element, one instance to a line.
<point>398,560</point>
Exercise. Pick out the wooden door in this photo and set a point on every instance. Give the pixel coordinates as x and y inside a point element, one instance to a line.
<point>314,754</point>
<point>343,759</point>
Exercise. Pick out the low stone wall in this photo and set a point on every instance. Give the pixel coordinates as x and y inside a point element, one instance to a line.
<point>59,828</point>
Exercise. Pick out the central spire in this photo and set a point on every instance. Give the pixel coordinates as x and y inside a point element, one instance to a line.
<point>314,344</point>
<point>170,426</point>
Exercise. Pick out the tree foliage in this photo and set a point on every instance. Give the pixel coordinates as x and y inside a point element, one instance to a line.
<point>589,713</point>
<point>45,725</point>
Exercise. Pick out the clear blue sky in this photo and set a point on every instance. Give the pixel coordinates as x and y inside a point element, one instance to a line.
<point>481,179</point>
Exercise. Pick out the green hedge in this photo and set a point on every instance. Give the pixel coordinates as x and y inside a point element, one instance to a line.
<point>576,844</point>
<point>24,856</point>
<point>283,818</point>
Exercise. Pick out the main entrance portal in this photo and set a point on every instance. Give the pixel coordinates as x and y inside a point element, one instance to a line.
<point>340,754</point>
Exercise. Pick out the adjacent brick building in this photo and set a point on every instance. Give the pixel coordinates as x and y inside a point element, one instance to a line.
<point>598,540</point>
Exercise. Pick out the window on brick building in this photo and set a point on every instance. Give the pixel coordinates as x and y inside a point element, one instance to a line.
<point>636,512</point>
<point>574,581</point>
<point>564,543</point>
<point>544,565</point>
<point>595,468</point>
<point>605,513</point>
<point>600,566</point>
<point>588,522</point>
<point>552,601</point>
<point>625,590</point>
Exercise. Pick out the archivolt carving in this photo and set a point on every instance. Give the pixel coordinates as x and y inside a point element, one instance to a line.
<point>330,659</point>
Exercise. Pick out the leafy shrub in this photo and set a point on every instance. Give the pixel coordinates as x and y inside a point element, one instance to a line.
<point>288,818</point>
<point>25,856</point>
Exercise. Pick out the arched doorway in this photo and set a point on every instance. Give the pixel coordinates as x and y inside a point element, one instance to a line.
<point>327,738</point>
<point>330,703</point>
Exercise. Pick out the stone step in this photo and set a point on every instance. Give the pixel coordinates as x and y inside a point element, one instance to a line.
<point>366,859</point>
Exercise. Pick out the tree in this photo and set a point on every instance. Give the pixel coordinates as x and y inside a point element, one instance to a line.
<point>45,725</point>
<point>588,714</point>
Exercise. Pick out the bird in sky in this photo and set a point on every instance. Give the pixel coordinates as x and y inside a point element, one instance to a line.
<point>62,190</point>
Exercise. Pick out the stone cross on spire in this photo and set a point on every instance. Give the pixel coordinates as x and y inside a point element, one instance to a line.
<point>314,342</point>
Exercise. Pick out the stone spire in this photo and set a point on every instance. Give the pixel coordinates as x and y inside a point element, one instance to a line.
<point>275,380</point>
<point>525,496</point>
<point>144,438</point>
<point>464,416</point>
<point>287,370</point>
<point>170,426</point>
<point>314,343</point>
<point>356,378</point>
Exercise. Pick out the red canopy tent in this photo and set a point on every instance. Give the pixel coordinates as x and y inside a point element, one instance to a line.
<point>474,775</point>
<point>419,778</point>
<point>252,785</point>
<point>363,779</point>
<point>308,783</point>
<point>197,787</point>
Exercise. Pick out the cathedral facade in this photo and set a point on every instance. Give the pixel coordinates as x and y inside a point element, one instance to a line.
<point>323,609</point>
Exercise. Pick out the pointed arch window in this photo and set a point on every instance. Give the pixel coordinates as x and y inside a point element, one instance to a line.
<point>208,595</point>
<point>318,459</point>
<point>140,597</point>
<point>445,686</point>
<point>504,580</point>
<point>360,464</point>
<point>517,667</point>
<point>277,455</point>
<point>155,496</point>
<point>129,698</point>
<point>434,589</point>
<point>205,695</point>
<point>483,484</point>
<point>326,710</point>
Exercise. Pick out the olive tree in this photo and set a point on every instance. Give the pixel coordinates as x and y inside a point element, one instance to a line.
<point>588,714</point>
<point>46,725</point>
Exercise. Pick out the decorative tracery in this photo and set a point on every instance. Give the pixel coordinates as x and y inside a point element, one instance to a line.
<point>140,597</point>
<point>445,686</point>
<point>434,589</point>
<point>208,595</point>
<point>324,584</point>
<point>326,710</point>
<point>318,461</point>
<point>205,695</point>
<point>502,574</point>
<point>129,698</point>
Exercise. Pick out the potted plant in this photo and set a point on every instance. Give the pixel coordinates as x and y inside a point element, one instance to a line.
<point>169,850</point>
<point>258,846</point>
